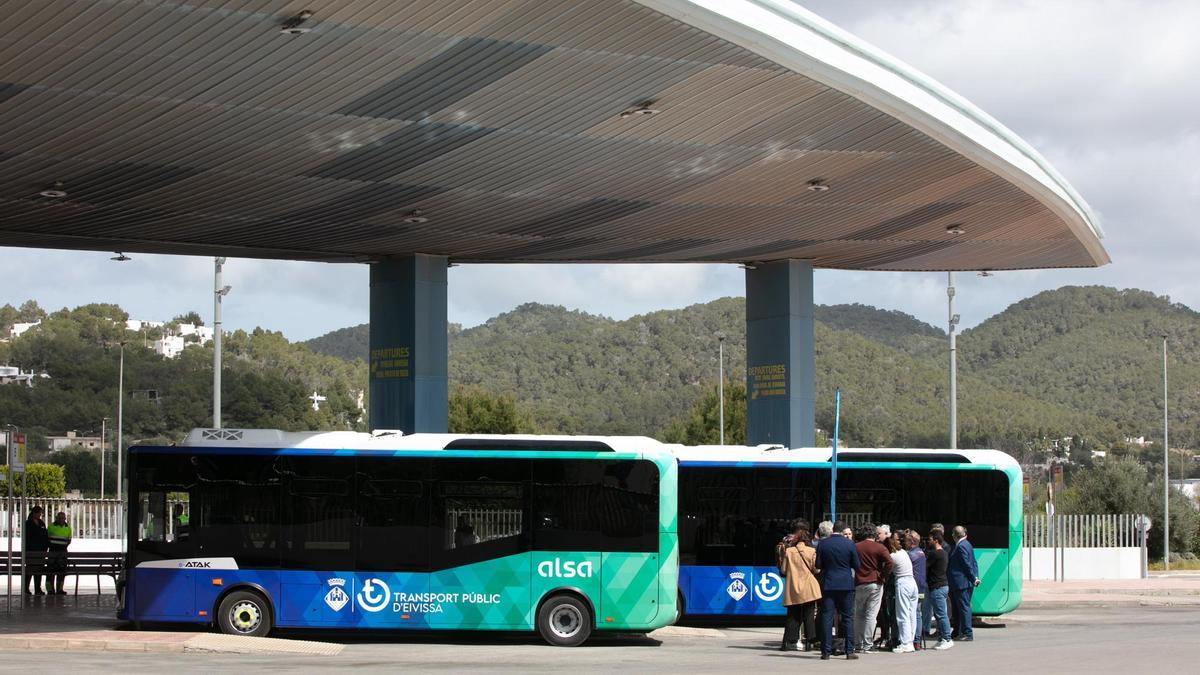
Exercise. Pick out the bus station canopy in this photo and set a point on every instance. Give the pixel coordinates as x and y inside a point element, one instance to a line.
<point>506,131</point>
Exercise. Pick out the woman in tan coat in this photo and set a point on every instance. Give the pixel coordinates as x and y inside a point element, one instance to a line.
<point>801,588</point>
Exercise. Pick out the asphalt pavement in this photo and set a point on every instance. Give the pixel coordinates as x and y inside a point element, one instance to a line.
<point>1071,640</point>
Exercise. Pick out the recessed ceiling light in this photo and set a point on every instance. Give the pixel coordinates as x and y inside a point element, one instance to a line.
<point>294,25</point>
<point>415,216</point>
<point>817,185</point>
<point>643,109</point>
<point>955,229</point>
<point>55,191</point>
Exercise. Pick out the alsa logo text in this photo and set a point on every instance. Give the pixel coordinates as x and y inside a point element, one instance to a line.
<point>564,569</point>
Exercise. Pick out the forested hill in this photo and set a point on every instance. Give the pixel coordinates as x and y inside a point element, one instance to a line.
<point>890,327</point>
<point>1074,361</point>
<point>1097,350</point>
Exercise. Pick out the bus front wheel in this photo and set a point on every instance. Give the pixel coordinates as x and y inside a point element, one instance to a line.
<point>244,613</point>
<point>564,621</point>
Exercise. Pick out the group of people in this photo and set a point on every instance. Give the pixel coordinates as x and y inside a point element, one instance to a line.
<point>873,577</point>
<point>52,540</point>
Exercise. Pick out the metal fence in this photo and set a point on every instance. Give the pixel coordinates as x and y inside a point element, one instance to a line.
<point>484,524</point>
<point>1085,546</point>
<point>89,518</point>
<point>1077,530</point>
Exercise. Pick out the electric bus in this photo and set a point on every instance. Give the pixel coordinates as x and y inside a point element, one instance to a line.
<point>735,504</point>
<point>249,530</point>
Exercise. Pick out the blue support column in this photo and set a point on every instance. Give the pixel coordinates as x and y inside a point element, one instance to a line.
<point>780,398</point>
<point>408,344</point>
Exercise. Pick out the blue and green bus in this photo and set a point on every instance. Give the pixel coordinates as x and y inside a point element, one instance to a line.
<point>735,504</point>
<point>249,530</point>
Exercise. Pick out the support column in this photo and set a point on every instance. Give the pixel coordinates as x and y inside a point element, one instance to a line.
<point>780,398</point>
<point>408,344</point>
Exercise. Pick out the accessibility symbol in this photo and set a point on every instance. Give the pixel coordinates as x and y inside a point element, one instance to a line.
<point>374,595</point>
<point>769,587</point>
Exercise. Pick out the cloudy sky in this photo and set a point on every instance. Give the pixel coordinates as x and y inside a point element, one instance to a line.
<point>1105,90</point>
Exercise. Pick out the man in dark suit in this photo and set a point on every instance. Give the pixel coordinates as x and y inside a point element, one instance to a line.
<point>837,560</point>
<point>963,574</point>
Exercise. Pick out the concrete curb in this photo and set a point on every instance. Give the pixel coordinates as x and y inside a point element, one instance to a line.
<point>1113,601</point>
<point>185,642</point>
<point>68,644</point>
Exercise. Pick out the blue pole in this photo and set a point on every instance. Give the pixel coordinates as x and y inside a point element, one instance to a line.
<point>837,415</point>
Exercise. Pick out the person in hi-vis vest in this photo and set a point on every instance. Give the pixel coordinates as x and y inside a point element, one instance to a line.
<point>56,559</point>
<point>180,521</point>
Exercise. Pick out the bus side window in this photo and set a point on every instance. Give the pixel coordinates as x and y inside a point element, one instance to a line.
<point>393,511</point>
<point>480,511</point>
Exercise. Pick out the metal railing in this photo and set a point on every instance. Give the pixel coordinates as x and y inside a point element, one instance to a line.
<point>485,524</point>
<point>1081,530</point>
<point>1061,536</point>
<point>89,518</point>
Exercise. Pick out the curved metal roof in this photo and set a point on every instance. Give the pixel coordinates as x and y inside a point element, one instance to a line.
<point>492,131</point>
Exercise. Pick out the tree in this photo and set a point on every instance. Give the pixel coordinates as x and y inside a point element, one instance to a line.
<point>81,468</point>
<point>702,423</point>
<point>44,480</point>
<point>30,311</point>
<point>474,410</point>
<point>1124,486</point>
<point>192,317</point>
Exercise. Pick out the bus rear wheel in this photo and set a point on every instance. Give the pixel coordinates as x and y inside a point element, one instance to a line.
<point>564,621</point>
<point>244,613</point>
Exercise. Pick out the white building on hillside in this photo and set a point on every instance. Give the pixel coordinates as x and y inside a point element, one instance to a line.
<point>14,375</point>
<point>205,333</point>
<point>19,328</point>
<point>138,325</point>
<point>63,442</point>
<point>176,340</point>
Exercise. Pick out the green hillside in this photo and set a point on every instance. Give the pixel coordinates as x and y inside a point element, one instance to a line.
<point>1070,362</point>
<point>1097,350</point>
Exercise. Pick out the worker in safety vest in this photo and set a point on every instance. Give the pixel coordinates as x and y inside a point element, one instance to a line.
<point>180,520</point>
<point>56,558</point>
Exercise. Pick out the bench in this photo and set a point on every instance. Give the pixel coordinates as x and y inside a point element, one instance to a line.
<point>78,564</point>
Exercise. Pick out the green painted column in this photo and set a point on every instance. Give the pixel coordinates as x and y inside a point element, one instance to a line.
<point>408,356</point>
<point>780,396</point>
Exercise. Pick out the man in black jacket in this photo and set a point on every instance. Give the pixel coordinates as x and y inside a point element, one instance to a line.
<point>35,540</point>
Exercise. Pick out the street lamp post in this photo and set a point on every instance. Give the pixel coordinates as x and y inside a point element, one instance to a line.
<point>1166,470</point>
<point>120,419</point>
<point>721,386</point>
<point>953,322</point>
<point>219,292</point>
<point>103,438</point>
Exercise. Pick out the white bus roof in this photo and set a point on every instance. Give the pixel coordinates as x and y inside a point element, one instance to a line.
<point>388,440</point>
<point>395,440</point>
<point>768,454</point>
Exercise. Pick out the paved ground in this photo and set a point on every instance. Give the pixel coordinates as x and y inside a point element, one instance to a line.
<point>1166,590</point>
<point>1082,640</point>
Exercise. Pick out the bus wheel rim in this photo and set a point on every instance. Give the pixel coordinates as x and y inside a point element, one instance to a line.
<point>566,621</point>
<point>245,616</point>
